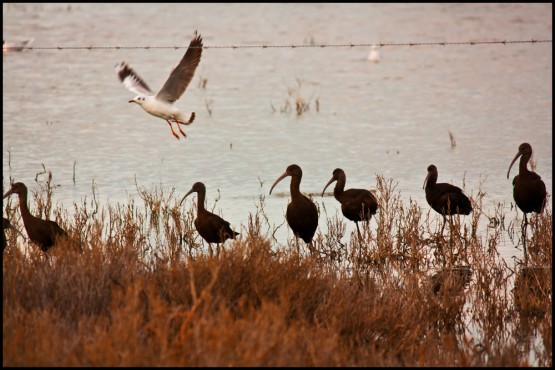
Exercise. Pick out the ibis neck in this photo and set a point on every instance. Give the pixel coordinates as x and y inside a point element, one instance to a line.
<point>201,195</point>
<point>339,186</point>
<point>295,186</point>
<point>432,180</point>
<point>523,164</point>
<point>24,209</point>
<point>23,204</point>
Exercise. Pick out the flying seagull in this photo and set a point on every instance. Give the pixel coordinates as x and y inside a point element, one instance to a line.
<point>161,104</point>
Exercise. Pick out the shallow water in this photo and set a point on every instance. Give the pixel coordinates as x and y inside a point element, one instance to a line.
<point>393,118</point>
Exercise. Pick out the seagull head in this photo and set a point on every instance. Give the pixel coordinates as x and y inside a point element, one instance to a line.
<point>138,99</point>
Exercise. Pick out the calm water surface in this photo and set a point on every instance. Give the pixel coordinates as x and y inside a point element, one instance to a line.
<point>391,118</point>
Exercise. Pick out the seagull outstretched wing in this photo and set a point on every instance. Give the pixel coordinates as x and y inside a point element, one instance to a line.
<point>183,73</point>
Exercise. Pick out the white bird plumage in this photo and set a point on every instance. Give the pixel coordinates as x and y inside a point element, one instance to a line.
<point>161,104</point>
<point>374,55</point>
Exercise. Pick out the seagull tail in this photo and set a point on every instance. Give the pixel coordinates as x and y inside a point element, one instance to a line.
<point>182,120</point>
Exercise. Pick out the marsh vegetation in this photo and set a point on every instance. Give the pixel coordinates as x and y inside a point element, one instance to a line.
<point>144,291</point>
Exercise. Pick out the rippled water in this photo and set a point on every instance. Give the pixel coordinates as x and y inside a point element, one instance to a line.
<point>393,118</point>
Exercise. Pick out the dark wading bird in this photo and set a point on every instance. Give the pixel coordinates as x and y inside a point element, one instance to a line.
<point>211,227</point>
<point>161,103</point>
<point>41,232</point>
<point>302,214</point>
<point>356,204</point>
<point>528,188</point>
<point>444,198</point>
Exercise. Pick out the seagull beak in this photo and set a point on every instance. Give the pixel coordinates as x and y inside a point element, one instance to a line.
<point>132,101</point>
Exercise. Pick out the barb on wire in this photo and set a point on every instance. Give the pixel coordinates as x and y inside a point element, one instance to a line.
<point>293,46</point>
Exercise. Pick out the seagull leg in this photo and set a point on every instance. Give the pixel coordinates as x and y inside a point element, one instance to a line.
<point>179,127</point>
<point>173,132</point>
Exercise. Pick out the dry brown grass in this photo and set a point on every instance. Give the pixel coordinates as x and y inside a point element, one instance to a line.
<point>296,101</point>
<point>143,292</point>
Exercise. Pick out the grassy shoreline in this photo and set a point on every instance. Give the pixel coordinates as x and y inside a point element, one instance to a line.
<point>143,292</point>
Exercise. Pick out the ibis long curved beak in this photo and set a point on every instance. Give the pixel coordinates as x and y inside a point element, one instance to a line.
<point>328,184</point>
<point>8,193</point>
<point>185,196</point>
<point>425,181</point>
<point>285,174</point>
<point>514,160</point>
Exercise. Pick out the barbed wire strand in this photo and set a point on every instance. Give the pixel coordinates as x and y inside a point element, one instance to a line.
<point>293,46</point>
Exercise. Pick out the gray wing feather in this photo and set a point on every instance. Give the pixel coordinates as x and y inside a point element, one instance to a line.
<point>131,80</point>
<point>182,74</point>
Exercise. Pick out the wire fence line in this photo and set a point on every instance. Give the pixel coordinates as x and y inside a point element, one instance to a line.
<point>294,46</point>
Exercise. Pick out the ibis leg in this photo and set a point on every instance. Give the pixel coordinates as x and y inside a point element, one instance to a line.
<point>444,222</point>
<point>524,240</point>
